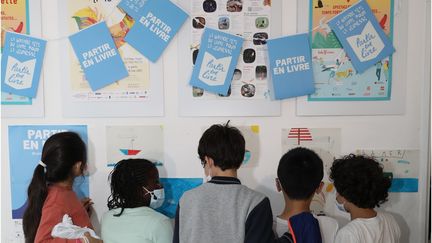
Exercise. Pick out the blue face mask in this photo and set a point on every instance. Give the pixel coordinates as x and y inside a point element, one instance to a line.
<point>157,197</point>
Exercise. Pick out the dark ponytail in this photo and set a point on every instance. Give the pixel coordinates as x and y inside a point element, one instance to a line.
<point>60,153</point>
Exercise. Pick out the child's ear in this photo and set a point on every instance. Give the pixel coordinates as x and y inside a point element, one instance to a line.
<point>77,168</point>
<point>320,187</point>
<point>278,185</point>
<point>209,161</point>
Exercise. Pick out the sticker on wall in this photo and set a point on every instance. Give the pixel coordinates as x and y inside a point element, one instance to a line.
<point>21,64</point>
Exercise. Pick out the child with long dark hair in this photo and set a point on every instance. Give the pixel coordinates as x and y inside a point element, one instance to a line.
<point>135,193</point>
<point>50,194</point>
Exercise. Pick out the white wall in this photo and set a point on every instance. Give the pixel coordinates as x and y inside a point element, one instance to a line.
<point>182,134</point>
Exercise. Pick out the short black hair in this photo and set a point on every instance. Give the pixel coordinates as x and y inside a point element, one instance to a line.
<point>127,179</point>
<point>360,180</point>
<point>300,173</point>
<point>224,144</point>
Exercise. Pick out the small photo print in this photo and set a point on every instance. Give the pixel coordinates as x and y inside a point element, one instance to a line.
<point>234,5</point>
<point>249,55</point>
<point>198,22</point>
<point>209,6</point>
<point>194,56</point>
<point>224,23</point>
<point>261,72</point>
<point>260,38</point>
<point>197,92</point>
<point>237,74</point>
<point>261,22</point>
<point>248,90</point>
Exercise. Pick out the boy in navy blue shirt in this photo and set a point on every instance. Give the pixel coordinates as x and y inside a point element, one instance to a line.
<point>299,173</point>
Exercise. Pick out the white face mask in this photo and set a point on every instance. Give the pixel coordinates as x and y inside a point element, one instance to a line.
<point>208,177</point>
<point>157,197</point>
<point>340,206</point>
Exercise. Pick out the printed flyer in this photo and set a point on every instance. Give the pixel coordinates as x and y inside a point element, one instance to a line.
<point>136,87</point>
<point>15,17</point>
<point>252,21</point>
<point>335,77</point>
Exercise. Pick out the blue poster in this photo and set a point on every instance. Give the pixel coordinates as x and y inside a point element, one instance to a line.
<point>98,56</point>
<point>361,36</point>
<point>291,68</point>
<point>216,61</point>
<point>25,149</point>
<point>132,7</point>
<point>158,23</point>
<point>174,189</point>
<point>21,64</point>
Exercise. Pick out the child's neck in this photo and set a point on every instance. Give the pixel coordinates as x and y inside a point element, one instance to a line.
<point>363,213</point>
<point>226,173</point>
<point>66,183</point>
<point>294,207</point>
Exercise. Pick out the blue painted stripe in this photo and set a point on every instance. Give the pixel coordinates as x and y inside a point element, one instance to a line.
<point>404,185</point>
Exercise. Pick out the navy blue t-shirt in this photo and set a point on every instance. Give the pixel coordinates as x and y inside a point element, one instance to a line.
<point>302,228</point>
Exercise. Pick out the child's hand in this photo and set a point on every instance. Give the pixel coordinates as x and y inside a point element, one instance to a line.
<point>87,202</point>
<point>91,239</point>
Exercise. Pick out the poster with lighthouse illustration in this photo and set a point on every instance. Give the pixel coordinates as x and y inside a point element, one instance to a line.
<point>127,142</point>
<point>326,142</point>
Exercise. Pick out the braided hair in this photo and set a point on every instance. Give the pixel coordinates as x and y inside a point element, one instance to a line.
<point>127,181</point>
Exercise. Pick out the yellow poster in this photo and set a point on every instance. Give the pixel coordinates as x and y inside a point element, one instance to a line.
<point>335,77</point>
<point>135,87</point>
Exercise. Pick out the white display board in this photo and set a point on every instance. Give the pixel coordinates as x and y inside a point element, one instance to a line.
<point>36,108</point>
<point>406,130</point>
<point>107,103</point>
<point>212,105</point>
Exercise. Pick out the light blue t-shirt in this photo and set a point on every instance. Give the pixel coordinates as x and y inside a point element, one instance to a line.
<point>136,225</point>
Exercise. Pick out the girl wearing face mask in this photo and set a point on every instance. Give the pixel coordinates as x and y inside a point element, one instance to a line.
<point>135,193</point>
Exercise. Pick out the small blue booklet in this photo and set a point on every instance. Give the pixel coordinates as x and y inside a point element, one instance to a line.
<point>21,64</point>
<point>216,61</point>
<point>98,56</point>
<point>290,66</point>
<point>156,26</point>
<point>361,36</point>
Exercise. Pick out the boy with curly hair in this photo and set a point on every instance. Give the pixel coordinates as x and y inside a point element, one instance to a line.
<point>361,186</point>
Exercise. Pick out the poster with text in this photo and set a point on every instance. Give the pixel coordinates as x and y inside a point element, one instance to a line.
<point>25,149</point>
<point>335,77</point>
<point>135,87</point>
<point>290,66</point>
<point>174,189</point>
<point>21,64</point>
<point>361,36</point>
<point>216,61</point>
<point>132,7</point>
<point>326,142</point>
<point>128,142</point>
<point>401,165</point>
<point>14,16</point>
<point>158,23</point>
<point>98,56</point>
<point>252,21</point>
